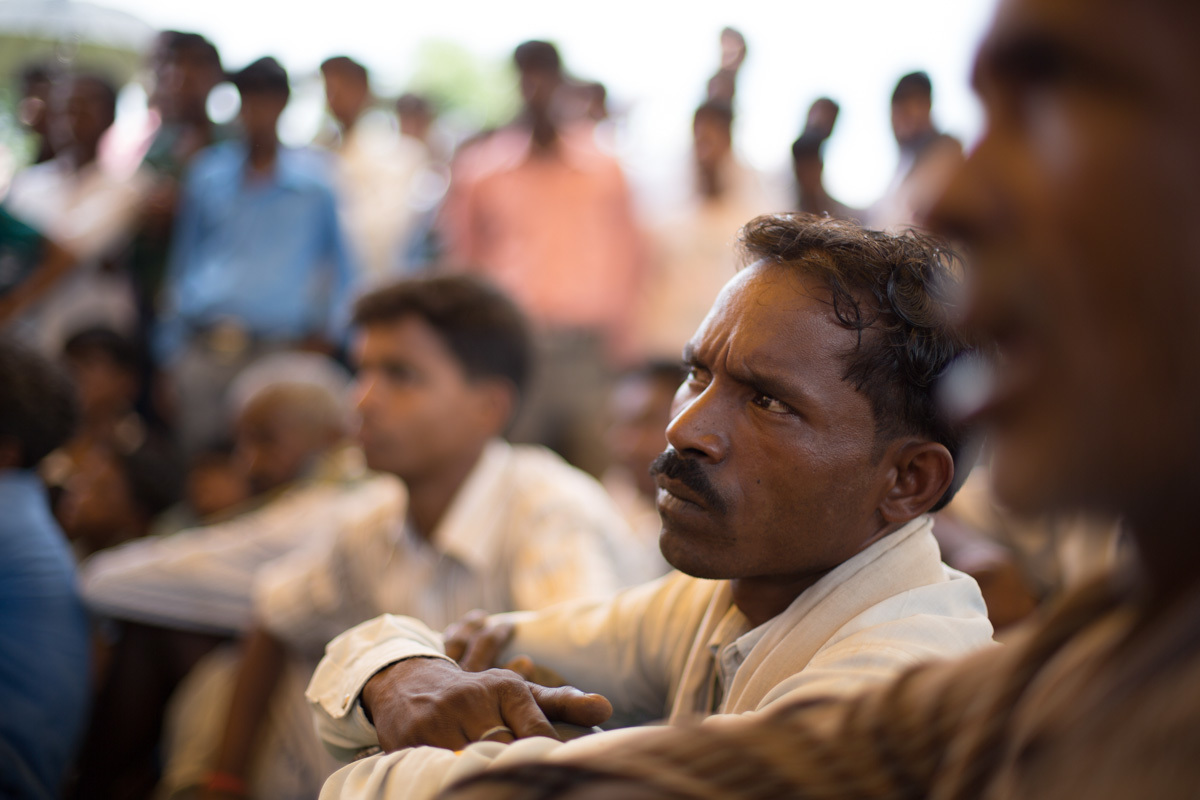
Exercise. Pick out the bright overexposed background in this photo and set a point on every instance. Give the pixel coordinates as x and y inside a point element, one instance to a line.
<point>654,56</point>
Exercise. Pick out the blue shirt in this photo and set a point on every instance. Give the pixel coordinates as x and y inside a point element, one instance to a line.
<point>44,679</point>
<point>264,251</point>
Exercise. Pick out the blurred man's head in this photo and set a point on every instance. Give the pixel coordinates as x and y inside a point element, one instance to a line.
<point>37,407</point>
<point>640,408</point>
<point>289,411</point>
<point>263,87</point>
<point>187,69</point>
<point>82,108</point>
<point>912,106</point>
<point>1078,206</point>
<point>416,115</point>
<point>807,427</point>
<point>442,363</point>
<point>107,368</point>
<point>347,89</point>
<point>117,493</point>
<point>540,70</point>
<point>216,482</point>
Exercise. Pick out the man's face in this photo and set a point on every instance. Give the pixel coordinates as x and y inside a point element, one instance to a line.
<point>275,444</point>
<point>419,412</point>
<point>260,113</point>
<point>711,141</point>
<point>911,119</point>
<point>345,95</point>
<point>98,505</point>
<point>784,445</point>
<point>184,81</point>
<point>80,115</point>
<point>1079,209</point>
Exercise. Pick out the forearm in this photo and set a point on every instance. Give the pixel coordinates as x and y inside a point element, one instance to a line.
<point>261,666</point>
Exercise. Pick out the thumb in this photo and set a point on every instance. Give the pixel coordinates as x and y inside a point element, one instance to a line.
<point>568,704</point>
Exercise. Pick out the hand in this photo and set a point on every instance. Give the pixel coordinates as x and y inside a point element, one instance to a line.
<point>476,642</point>
<point>432,702</point>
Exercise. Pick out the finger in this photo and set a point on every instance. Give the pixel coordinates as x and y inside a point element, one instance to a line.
<point>568,704</point>
<point>458,634</point>
<point>523,666</point>
<point>483,649</point>
<point>522,714</point>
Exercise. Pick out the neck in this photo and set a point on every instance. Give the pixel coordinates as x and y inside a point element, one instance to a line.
<point>763,599</point>
<point>1167,551</point>
<point>709,181</point>
<point>430,496</point>
<point>262,153</point>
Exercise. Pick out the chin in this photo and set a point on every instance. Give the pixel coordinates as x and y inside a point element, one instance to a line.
<point>684,556</point>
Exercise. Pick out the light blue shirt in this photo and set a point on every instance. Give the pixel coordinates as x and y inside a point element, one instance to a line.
<point>265,252</point>
<point>44,677</point>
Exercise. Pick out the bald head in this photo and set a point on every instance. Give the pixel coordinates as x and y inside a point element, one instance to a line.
<point>283,429</point>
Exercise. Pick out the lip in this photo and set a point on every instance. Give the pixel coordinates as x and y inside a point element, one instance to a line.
<point>672,489</point>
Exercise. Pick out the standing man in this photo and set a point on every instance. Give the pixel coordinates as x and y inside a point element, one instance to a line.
<point>547,215</point>
<point>1079,204</point>
<point>258,262</point>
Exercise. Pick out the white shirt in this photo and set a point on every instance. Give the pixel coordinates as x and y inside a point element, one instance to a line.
<point>202,579</point>
<point>526,530</point>
<point>675,648</point>
<point>90,212</point>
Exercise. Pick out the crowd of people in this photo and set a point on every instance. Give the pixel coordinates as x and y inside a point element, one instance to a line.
<point>371,470</point>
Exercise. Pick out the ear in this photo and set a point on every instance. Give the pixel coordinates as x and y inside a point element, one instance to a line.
<point>496,403</point>
<point>921,472</point>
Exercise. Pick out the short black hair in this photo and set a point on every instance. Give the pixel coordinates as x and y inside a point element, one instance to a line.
<point>264,76</point>
<point>481,326</point>
<point>537,55</point>
<point>914,84</point>
<point>38,407</point>
<point>118,348</point>
<point>346,66</point>
<point>154,473</point>
<point>180,41</point>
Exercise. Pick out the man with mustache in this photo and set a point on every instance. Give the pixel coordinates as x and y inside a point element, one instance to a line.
<point>1079,204</point>
<point>805,452</point>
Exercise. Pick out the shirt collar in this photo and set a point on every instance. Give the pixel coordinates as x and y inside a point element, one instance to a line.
<point>472,528</point>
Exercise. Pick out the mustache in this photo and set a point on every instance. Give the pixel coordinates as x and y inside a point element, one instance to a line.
<point>691,474</point>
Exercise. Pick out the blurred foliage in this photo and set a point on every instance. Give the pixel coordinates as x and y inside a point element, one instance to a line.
<point>476,92</point>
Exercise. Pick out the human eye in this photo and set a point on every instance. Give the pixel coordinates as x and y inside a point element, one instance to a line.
<point>695,375</point>
<point>770,404</point>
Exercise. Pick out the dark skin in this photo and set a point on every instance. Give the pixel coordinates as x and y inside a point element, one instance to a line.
<point>765,390</point>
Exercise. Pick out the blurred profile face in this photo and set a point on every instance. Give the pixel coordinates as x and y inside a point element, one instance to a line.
<point>346,95</point>
<point>260,114</point>
<point>80,114</point>
<point>419,412</point>
<point>104,387</point>
<point>98,506</point>
<point>640,408</point>
<point>711,140</point>
<point>275,443</point>
<point>538,88</point>
<point>775,475</point>
<point>1078,206</point>
<point>216,486</point>
<point>911,119</point>
<point>185,79</point>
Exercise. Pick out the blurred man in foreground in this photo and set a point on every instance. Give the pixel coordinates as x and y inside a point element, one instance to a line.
<point>1079,203</point>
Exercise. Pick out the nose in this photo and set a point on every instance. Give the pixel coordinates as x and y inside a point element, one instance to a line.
<point>698,425</point>
<point>361,394</point>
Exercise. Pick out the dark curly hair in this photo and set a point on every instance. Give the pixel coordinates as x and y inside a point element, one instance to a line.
<point>895,291</point>
<point>37,403</point>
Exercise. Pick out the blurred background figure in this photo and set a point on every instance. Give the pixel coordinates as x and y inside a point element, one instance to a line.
<point>376,172</point>
<point>43,628</point>
<point>692,255</point>
<point>186,67</point>
<point>85,209</point>
<point>723,85</point>
<point>33,107</point>
<point>927,157</point>
<point>542,211</point>
<point>808,163</point>
<point>258,260</point>
<point>639,410</point>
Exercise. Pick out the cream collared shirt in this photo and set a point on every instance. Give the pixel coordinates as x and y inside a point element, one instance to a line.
<point>526,530</point>
<point>676,648</point>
